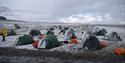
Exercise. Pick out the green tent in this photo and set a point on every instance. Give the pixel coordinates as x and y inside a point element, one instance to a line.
<point>23,40</point>
<point>49,42</point>
<point>50,32</point>
<point>51,28</point>
<point>66,28</point>
<point>92,43</point>
<point>34,32</point>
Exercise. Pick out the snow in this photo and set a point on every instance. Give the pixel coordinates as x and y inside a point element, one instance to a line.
<point>11,40</point>
<point>29,47</point>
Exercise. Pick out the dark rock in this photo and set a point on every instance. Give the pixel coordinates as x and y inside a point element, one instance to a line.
<point>3,18</point>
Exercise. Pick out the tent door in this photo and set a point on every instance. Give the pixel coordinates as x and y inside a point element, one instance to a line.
<point>42,43</point>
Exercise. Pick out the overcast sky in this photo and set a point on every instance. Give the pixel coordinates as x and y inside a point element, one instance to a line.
<point>84,11</point>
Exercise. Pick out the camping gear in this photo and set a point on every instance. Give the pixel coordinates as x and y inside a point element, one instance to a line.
<point>50,32</point>
<point>119,51</point>
<point>41,36</point>
<point>112,36</point>
<point>92,43</point>
<point>60,27</point>
<point>51,28</point>
<point>107,36</point>
<point>52,41</point>
<point>66,28</point>
<point>73,36</point>
<point>65,42</point>
<point>73,41</point>
<point>34,32</point>
<point>104,31</point>
<point>48,42</point>
<point>42,44</point>
<point>115,36</point>
<point>102,44</point>
<point>62,31</point>
<point>69,34</point>
<point>25,39</point>
<point>101,32</point>
<point>35,44</point>
<point>17,26</point>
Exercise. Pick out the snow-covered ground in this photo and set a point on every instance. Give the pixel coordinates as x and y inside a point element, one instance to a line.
<point>10,40</point>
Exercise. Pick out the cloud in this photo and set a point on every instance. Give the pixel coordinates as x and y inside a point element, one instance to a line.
<point>87,18</point>
<point>123,22</point>
<point>100,10</point>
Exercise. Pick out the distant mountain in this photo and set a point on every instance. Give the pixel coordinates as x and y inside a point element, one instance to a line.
<point>3,18</point>
<point>26,15</point>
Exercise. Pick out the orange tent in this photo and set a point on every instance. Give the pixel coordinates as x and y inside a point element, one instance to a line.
<point>73,41</point>
<point>119,51</point>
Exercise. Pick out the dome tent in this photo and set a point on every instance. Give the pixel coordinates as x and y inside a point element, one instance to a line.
<point>17,26</point>
<point>34,32</point>
<point>51,29</point>
<point>69,34</point>
<point>50,32</point>
<point>92,43</point>
<point>101,32</point>
<point>63,31</point>
<point>23,40</point>
<point>66,28</point>
<point>113,36</point>
<point>119,51</point>
<point>49,42</point>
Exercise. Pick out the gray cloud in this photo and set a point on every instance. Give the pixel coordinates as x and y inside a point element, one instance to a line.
<point>66,8</point>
